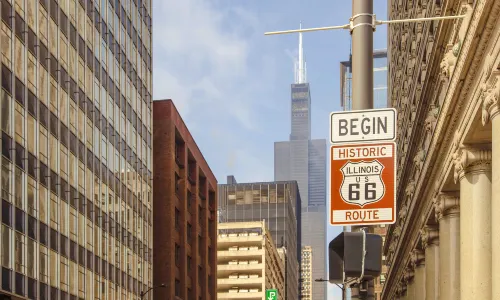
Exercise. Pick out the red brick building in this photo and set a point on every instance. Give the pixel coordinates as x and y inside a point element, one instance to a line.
<point>185,211</point>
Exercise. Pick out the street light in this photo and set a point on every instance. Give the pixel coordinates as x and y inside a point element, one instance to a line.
<point>338,285</point>
<point>142,294</point>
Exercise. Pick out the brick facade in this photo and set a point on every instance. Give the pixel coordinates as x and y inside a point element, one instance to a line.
<point>185,203</point>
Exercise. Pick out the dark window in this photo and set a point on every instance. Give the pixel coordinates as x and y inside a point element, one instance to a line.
<point>64,245</point>
<point>20,156</point>
<point>189,230</point>
<point>6,279</point>
<point>20,218</point>
<point>20,280</point>
<point>200,249</point>
<point>177,288</point>
<point>54,242</point>
<point>189,263</point>
<point>44,115</point>
<point>32,166</point>
<point>177,219</point>
<point>200,215</point>
<point>177,255</point>
<point>32,233</point>
<point>6,213</point>
<point>20,97</point>
<point>20,27</point>
<point>32,104</point>
<point>6,145</point>
<point>6,13</point>
<point>73,251</point>
<point>32,288</point>
<point>44,233</point>
<point>6,79</point>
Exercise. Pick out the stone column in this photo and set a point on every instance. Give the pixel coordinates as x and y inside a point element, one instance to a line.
<point>409,277</point>
<point>447,212</point>
<point>430,242</point>
<point>418,261</point>
<point>473,170</point>
<point>491,112</point>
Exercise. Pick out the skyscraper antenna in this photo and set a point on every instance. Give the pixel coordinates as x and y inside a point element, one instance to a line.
<point>300,65</point>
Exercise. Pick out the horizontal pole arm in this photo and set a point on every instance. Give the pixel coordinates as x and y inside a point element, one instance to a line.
<point>346,26</point>
<point>419,19</point>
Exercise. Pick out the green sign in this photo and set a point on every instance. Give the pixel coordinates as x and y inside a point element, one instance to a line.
<point>271,294</point>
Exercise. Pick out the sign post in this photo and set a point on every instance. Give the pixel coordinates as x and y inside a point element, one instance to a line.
<point>272,294</point>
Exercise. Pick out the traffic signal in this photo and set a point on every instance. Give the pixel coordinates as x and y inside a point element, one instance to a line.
<point>355,255</point>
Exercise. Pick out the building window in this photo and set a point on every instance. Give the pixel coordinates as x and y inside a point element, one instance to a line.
<point>177,288</point>
<point>189,263</point>
<point>177,255</point>
<point>177,219</point>
<point>189,236</point>
<point>177,184</point>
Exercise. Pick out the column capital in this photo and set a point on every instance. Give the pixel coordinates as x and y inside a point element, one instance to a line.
<point>446,204</point>
<point>409,273</point>
<point>467,159</point>
<point>401,288</point>
<point>429,235</point>
<point>417,258</point>
<point>490,97</point>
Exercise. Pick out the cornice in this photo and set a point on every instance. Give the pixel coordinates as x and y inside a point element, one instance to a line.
<point>464,79</point>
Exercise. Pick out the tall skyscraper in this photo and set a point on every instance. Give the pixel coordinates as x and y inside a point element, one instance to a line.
<point>75,177</point>
<point>304,160</point>
<point>275,202</point>
<point>379,101</point>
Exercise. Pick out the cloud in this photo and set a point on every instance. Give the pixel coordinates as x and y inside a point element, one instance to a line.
<point>202,58</point>
<point>209,59</point>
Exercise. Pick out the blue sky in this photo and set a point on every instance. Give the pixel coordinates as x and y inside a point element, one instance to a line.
<point>231,83</point>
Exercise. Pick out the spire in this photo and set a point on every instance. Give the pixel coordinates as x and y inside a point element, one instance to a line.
<point>300,65</point>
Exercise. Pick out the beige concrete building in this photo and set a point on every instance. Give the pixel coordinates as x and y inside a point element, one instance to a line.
<point>306,278</point>
<point>444,82</point>
<point>247,261</point>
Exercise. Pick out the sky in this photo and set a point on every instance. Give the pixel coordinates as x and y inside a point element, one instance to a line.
<point>231,84</point>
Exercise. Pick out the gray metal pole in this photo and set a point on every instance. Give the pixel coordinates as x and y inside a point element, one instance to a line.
<point>362,54</point>
<point>362,78</point>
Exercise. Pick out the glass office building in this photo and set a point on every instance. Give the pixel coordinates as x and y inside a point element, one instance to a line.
<point>75,114</point>
<point>379,81</point>
<point>276,203</point>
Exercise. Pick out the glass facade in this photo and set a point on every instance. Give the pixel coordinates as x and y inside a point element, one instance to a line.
<point>273,202</point>
<point>76,213</point>
<point>379,81</point>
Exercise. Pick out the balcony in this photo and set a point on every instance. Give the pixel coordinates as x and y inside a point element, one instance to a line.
<point>240,294</point>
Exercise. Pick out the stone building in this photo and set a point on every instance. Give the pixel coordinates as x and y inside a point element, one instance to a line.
<point>248,262</point>
<point>443,80</point>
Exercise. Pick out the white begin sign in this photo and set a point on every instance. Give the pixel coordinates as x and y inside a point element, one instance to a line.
<point>363,126</point>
